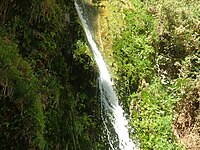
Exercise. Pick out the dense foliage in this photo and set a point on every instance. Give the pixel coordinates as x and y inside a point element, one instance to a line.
<point>158,67</point>
<point>47,78</point>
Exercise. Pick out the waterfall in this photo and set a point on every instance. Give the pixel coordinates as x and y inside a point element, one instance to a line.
<point>112,113</point>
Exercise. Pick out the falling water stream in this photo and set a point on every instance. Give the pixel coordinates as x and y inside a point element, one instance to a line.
<point>112,113</point>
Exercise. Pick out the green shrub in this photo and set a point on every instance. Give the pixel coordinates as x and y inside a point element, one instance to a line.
<point>152,117</point>
<point>133,52</point>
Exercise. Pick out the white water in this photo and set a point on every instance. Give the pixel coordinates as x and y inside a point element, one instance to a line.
<point>112,111</point>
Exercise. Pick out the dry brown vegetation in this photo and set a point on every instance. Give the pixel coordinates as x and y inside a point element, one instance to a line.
<point>187,123</point>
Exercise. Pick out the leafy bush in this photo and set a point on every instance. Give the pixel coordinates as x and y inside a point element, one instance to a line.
<point>152,117</point>
<point>133,51</point>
